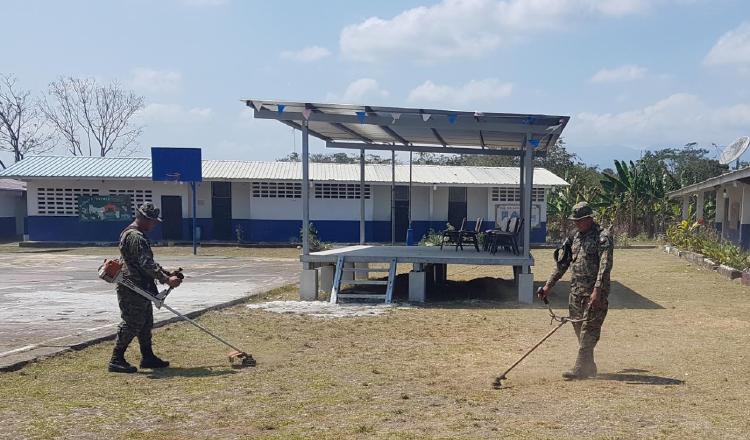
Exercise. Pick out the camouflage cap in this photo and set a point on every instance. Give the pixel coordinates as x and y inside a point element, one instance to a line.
<point>149,211</point>
<point>581,210</point>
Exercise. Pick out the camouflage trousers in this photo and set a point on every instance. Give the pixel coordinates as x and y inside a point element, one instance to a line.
<point>589,331</point>
<point>137,318</point>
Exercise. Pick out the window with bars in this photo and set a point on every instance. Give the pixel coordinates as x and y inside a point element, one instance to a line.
<point>61,201</point>
<point>277,190</point>
<point>339,191</point>
<point>513,195</point>
<point>137,196</point>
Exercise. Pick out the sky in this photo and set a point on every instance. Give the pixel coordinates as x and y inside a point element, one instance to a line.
<point>632,74</point>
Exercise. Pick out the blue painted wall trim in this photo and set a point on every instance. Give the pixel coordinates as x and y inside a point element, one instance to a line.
<point>7,228</point>
<point>44,228</point>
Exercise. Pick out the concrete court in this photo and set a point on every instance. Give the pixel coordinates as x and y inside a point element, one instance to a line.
<point>50,301</point>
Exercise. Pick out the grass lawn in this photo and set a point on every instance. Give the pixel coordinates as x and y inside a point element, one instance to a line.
<point>674,362</point>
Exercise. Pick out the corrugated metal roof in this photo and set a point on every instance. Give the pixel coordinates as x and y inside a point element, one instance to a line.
<point>711,183</point>
<point>399,126</point>
<point>12,185</point>
<point>140,168</point>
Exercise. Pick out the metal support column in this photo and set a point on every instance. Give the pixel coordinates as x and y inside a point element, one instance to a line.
<point>521,180</point>
<point>362,196</point>
<point>305,191</point>
<point>195,228</point>
<point>393,197</point>
<point>527,188</point>
<point>410,178</point>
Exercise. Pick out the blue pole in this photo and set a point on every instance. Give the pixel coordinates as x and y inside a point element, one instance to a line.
<point>195,245</point>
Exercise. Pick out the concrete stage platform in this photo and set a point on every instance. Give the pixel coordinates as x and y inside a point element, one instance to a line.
<point>318,272</point>
<point>418,255</point>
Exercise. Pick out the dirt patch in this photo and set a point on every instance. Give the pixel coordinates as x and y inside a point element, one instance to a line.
<point>321,309</point>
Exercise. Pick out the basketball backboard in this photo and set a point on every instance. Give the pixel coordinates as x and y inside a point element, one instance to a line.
<point>176,164</point>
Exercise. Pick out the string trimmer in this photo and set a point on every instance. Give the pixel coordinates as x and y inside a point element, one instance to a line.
<point>111,272</point>
<point>562,320</point>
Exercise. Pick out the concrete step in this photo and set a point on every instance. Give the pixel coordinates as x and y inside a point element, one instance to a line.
<point>360,296</point>
<point>365,282</point>
<point>365,270</point>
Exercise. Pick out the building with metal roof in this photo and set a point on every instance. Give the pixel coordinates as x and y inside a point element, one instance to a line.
<point>76,167</point>
<point>253,201</point>
<point>731,192</point>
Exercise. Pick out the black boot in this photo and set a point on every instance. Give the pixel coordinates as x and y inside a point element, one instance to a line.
<point>118,364</point>
<point>150,360</point>
<point>584,367</point>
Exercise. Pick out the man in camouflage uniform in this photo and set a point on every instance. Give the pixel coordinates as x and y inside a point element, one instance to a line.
<point>590,256</point>
<point>136,311</point>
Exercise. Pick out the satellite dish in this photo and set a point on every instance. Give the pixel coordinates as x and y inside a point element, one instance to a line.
<point>734,151</point>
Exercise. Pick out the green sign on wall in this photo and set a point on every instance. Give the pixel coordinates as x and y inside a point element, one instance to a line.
<point>104,208</point>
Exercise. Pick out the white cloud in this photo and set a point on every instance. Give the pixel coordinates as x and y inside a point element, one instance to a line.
<point>306,55</point>
<point>359,91</point>
<point>204,3</point>
<point>733,48</point>
<point>155,81</point>
<point>619,74</point>
<point>469,28</point>
<point>172,114</point>
<point>474,91</point>
<point>673,121</point>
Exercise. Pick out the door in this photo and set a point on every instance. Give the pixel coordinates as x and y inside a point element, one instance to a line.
<point>456,206</point>
<point>401,212</point>
<point>221,210</point>
<point>171,215</point>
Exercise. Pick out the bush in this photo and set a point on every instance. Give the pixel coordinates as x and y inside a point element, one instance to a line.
<point>622,240</point>
<point>315,243</point>
<point>431,238</point>
<point>696,237</point>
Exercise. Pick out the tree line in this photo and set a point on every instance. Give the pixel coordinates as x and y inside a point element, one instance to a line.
<point>88,117</point>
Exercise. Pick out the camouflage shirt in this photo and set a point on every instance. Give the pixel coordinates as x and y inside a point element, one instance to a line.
<point>591,261</point>
<point>135,250</point>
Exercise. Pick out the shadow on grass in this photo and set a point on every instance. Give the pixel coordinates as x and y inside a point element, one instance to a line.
<point>190,372</point>
<point>637,377</point>
<point>488,292</point>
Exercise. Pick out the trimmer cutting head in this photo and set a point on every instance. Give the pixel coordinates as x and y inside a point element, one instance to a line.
<point>240,359</point>
<point>498,383</point>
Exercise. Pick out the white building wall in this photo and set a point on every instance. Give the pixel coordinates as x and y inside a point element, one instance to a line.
<point>476,203</point>
<point>381,195</point>
<point>242,201</point>
<point>735,207</point>
<point>158,189</point>
<point>420,203</point>
<point>276,209</point>
<point>440,200</point>
<point>203,195</point>
<point>337,209</point>
<point>8,203</point>
<point>429,203</point>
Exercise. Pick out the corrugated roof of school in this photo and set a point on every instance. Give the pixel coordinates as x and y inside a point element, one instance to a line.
<point>12,185</point>
<point>708,184</point>
<point>58,167</point>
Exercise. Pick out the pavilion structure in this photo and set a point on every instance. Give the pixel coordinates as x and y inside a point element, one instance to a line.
<point>415,130</point>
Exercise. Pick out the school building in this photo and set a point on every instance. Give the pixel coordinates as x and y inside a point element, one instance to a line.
<point>261,202</point>
<point>731,191</point>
